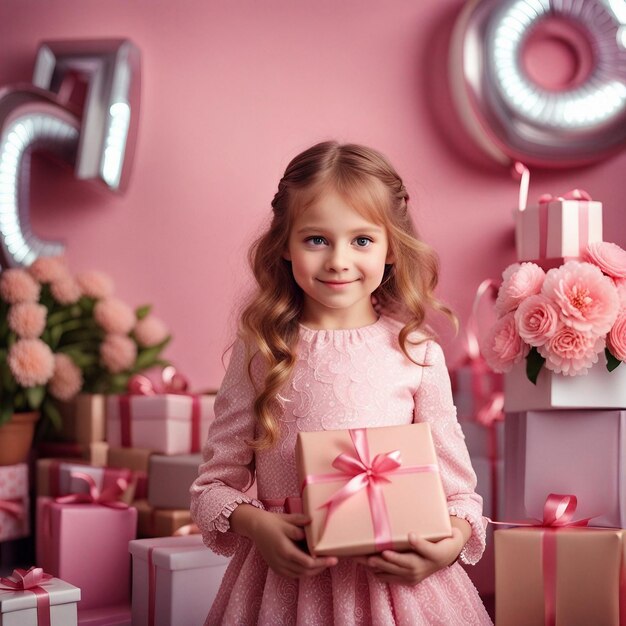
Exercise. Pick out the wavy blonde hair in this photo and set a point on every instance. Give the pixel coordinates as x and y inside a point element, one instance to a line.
<point>270,322</point>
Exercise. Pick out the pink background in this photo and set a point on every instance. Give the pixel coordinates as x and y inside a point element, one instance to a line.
<point>231,92</point>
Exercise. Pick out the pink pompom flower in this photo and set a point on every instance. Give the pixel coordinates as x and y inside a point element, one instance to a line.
<point>118,353</point>
<point>609,257</point>
<point>27,319</point>
<point>616,339</point>
<point>67,378</point>
<point>570,351</point>
<point>150,331</point>
<point>31,362</point>
<point>114,316</point>
<point>95,284</point>
<point>47,269</point>
<point>17,285</point>
<point>536,319</point>
<point>65,290</point>
<point>502,346</point>
<point>585,298</point>
<point>620,285</point>
<point>518,283</point>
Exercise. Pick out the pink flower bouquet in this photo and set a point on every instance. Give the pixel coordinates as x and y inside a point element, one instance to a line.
<point>61,334</point>
<point>564,318</point>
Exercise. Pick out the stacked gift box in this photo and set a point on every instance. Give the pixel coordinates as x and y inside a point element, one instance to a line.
<point>565,445</point>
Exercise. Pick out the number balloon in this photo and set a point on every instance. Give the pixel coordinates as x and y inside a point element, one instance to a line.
<point>98,141</point>
<point>510,114</point>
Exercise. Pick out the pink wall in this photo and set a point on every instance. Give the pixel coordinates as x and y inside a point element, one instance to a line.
<point>233,90</point>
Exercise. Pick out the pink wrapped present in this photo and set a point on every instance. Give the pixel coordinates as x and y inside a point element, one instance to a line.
<point>34,598</point>
<point>366,489</point>
<point>118,615</point>
<point>578,452</point>
<point>558,227</point>
<point>175,580</point>
<point>598,389</point>
<point>169,479</point>
<point>83,538</point>
<point>14,502</point>
<point>167,423</point>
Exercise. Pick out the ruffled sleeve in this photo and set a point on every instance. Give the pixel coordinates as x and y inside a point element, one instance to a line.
<point>433,404</point>
<point>228,461</point>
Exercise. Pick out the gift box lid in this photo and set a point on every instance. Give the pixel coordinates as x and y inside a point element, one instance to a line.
<point>189,460</point>
<point>161,406</point>
<point>60,592</point>
<point>177,553</point>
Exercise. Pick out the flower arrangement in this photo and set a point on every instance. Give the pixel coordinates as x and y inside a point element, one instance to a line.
<point>61,334</point>
<point>561,319</point>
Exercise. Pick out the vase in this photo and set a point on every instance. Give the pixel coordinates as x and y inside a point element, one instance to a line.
<point>16,437</point>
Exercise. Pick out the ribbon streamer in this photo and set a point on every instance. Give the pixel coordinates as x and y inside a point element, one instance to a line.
<point>13,507</point>
<point>109,496</point>
<point>32,580</point>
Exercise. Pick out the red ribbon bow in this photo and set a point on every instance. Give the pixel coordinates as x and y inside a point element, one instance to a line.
<point>171,382</point>
<point>32,580</point>
<point>107,497</point>
<point>574,194</point>
<point>363,474</point>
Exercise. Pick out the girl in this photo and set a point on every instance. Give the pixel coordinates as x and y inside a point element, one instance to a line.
<point>313,353</point>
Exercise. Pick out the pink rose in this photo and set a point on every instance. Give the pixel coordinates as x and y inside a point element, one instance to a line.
<point>150,331</point>
<point>17,285</point>
<point>502,347</point>
<point>518,283</point>
<point>27,319</point>
<point>65,290</point>
<point>47,269</point>
<point>67,379</point>
<point>536,320</point>
<point>114,316</point>
<point>570,351</point>
<point>586,299</point>
<point>118,353</point>
<point>620,285</point>
<point>95,284</point>
<point>609,257</point>
<point>31,362</point>
<point>617,337</point>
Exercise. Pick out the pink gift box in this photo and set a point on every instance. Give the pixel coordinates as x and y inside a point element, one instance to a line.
<point>560,228</point>
<point>166,423</point>
<point>105,616</point>
<point>598,389</point>
<point>410,499</point>
<point>14,502</point>
<point>569,452</point>
<point>19,608</point>
<point>87,545</point>
<point>169,479</point>
<point>186,578</point>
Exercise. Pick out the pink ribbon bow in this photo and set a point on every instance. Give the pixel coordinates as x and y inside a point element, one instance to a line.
<point>363,474</point>
<point>109,496</point>
<point>14,507</point>
<point>32,580</point>
<point>574,194</point>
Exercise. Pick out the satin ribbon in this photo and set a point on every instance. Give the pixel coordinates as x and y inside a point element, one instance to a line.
<point>13,507</point>
<point>185,530</point>
<point>558,512</point>
<point>172,382</point>
<point>32,580</point>
<point>109,496</point>
<point>363,474</point>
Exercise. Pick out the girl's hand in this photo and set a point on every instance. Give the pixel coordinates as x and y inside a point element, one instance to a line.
<point>274,535</point>
<point>410,568</point>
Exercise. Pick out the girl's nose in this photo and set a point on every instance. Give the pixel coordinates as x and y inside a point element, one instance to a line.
<point>337,260</point>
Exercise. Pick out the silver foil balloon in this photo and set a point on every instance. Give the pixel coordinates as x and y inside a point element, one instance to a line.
<point>513,118</point>
<point>30,119</point>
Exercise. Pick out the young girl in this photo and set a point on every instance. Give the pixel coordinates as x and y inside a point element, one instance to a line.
<point>313,353</point>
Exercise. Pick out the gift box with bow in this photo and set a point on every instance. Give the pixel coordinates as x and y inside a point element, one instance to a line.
<point>366,489</point>
<point>14,502</point>
<point>161,417</point>
<point>34,598</point>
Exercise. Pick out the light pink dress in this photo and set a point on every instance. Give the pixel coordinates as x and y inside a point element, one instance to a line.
<point>343,379</point>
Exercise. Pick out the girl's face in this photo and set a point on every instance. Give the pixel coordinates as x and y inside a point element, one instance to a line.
<point>338,259</point>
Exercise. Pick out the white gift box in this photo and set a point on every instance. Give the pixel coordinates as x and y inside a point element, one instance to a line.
<point>161,423</point>
<point>186,578</point>
<point>565,230</point>
<point>19,608</point>
<point>598,389</point>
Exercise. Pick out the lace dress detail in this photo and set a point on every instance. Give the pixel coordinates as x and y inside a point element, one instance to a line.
<point>343,379</point>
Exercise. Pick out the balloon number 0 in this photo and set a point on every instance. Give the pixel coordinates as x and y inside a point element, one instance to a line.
<point>97,138</point>
<point>511,114</point>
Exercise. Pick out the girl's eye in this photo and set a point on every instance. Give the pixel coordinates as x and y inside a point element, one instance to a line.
<point>363,242</point>
<point>316,240</point>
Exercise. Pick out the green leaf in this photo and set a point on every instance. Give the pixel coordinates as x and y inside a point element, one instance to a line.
<point>143,311</point>
<point>6,411</point>
<point>35,396</point>
<point>52,414</point>
<point>612,361</point>
<point>146,358</point>
<point>534,363</point>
